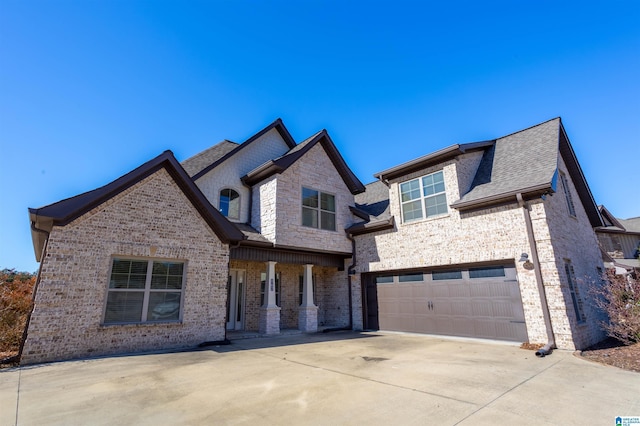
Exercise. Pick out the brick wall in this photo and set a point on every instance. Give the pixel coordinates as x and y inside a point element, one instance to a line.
<point>497,233</point>
<point>151,219</point>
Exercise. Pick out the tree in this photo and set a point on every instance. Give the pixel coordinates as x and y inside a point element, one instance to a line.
<point>16,290</point>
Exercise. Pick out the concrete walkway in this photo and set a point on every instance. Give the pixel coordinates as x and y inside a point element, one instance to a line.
<point>333,379</point>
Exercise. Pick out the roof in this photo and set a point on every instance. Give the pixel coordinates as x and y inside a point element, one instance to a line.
<point>615,225</point>
<point>526,162</point>
<point>522,162</point>
<point>282,163</point>
<point>278,125</point>
<point>65,211</point>
<point>431,159</point>
<point>207,157</point>
<point>375,200</point>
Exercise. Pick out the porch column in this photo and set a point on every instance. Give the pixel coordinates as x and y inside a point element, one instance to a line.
<point>308,312</point>
<point>269,311</point>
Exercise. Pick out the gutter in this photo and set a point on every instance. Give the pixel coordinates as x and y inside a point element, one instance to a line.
<point>551,341</point>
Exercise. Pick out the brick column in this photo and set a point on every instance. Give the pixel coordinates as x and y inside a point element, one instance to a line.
<point>308,312</point>
<point>269,311</point>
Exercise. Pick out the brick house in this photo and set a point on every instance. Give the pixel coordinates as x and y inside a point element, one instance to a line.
<point>269,234</point>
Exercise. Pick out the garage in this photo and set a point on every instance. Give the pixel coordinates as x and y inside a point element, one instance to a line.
<point>477,301</point>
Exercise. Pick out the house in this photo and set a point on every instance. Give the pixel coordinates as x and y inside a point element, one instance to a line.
<point>619,241</point>
<point>491,239</point>
<point>270,234</point>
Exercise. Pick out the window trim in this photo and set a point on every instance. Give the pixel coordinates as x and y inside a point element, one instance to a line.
<point>239,198</point>
<point>567,195</point>
<point>423,198</point>
<point>575,294</point>
<point>147,291</point>
<point>319,210</point>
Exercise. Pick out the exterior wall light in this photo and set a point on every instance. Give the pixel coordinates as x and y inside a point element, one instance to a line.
<point>528,265</point>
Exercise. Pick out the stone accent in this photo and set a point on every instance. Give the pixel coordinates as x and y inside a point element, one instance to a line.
<point>152,219</point>
<point>269,321</point>
<point>315,171</point>
<point>308,319</point>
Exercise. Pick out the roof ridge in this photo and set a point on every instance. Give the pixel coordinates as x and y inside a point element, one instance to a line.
<point>530,127</point>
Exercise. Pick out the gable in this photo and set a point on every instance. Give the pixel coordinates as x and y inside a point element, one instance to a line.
<point>64,212</point>
<point>281,164</point>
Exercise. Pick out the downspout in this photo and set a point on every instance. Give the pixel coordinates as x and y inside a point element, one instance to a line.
<point>350,273</point>
<point>551,341</point>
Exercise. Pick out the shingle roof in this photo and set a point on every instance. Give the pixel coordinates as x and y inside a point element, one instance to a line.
<point>198,162</point>
<point>375,200</point>
<point>523,161</point>
<point>278,125</point>
<point>67,210</point>
<point>632,224</point>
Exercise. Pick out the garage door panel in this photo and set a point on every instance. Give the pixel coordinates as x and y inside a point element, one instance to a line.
<point>472,307</point>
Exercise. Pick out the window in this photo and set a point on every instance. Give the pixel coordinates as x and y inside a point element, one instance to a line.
<point>486,272</point>
<point>446,275</point>
<point>230,203</point>
<point>423,197</point>
<point>384,280</point>
<point>263,281</point>
<point>144,291</point>
<point>567,195</point>
<point>575,296</point>
<point>405,278</point>
<point>318,209</point>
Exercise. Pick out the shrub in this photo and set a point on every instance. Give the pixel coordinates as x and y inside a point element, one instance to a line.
<point>16,289</point>
<point>619,297</point>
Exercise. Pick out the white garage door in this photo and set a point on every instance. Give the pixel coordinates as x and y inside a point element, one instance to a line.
<point>480,302</point>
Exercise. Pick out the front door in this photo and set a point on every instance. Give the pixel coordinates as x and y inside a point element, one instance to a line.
<point>235,300</point>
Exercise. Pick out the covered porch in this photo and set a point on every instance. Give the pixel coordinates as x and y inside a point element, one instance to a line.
<point>276,291</point>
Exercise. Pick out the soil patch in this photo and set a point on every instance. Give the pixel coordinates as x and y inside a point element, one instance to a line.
<point>613,352</point>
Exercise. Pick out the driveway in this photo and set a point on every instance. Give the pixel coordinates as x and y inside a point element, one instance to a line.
<point>334,378</point>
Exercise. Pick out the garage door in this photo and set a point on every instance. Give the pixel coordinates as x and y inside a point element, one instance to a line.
<point>479,302</point>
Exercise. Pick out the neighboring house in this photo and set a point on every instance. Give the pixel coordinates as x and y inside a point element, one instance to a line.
<point>251,236</point>
<point>491,239</point>
<point>619,241</point>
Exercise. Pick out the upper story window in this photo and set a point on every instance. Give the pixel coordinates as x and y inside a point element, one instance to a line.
<point>144,290</point>
<point>567,194</point>
<point>318,209</point>
<point>230,203</point>
<point>423,197</point>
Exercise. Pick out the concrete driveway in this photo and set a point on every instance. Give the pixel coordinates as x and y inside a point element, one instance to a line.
<point>333,378</point>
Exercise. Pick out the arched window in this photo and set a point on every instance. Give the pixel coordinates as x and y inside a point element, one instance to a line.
<point>230,203</point>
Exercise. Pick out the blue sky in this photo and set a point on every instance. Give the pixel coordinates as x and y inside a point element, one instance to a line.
<point>91,89</point>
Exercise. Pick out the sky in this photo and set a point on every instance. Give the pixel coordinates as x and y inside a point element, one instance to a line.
<point>91,89</point>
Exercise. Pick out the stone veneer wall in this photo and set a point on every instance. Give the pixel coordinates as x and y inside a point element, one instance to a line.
<point>331,295</point>
<point>152,219</point>
<point>228,174</point>
<point>315,171</point>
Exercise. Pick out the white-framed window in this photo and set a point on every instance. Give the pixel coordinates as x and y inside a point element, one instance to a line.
<point>567,194</point>
<point>573,289</point>
<point>318,209</point>
<point>423,197</point>
<point>263,283</point>
<point>144,290</point>
<point>230,203</point>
